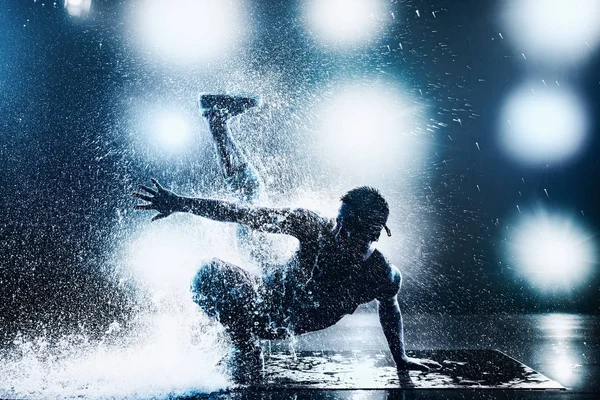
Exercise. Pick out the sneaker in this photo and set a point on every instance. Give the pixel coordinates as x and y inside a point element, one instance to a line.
<point>224,105</point>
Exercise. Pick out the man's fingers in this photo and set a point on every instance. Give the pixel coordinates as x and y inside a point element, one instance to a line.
<point>159,216</point>
<point>143,207</point>
<point>147,189</point>
<point>430,363</point>
<point>433,364</point>
<point>414,365</point>
<point>422,367</point>
<point>158,186</point>
<point>142,196</point>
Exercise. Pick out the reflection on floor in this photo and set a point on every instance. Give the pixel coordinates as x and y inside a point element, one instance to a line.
<point>461,369</point>
<point>563,347</point>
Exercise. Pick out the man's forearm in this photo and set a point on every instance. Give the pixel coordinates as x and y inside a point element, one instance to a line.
<point>393,328</point>
<point>217,210</point>
<point>258,218</point>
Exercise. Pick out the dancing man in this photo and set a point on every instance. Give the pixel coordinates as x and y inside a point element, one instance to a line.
<point>334,270</point>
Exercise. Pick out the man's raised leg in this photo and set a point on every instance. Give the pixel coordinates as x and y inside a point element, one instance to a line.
<point>239,174</point>
<point>241,177</point>
<point>224,291</point>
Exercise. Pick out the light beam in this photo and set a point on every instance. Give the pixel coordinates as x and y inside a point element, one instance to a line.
<point>370,127</point>
<point>171,130</point>
<point>78,8</point>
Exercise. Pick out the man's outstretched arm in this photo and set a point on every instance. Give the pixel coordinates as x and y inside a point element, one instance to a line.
<point>390,318</point>
<point>273,220</point>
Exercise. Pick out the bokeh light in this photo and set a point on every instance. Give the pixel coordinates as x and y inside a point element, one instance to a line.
<point>369,127</point>
<point>344,23</point>
<point>78,8</point>
<point>552,251</point>
<point>164,131</point>
<point>171,129</point>
<point>557,31</point>
<point>189,31</point>
<point>166,255</point>
<point>545,125</point>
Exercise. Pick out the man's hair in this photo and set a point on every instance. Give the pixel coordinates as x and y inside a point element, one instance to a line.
<point>367,203</point>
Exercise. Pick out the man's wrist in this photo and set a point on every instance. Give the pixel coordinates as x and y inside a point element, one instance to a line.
<point>402,360</point>
<point>181,204</point>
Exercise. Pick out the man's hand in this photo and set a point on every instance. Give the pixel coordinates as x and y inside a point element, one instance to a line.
<point>417,364</point>
<point>162,200</point>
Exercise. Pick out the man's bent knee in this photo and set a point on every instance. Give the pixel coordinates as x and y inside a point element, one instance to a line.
<point>207,270</point>
<point>219,287</point>
<point>204,285</point>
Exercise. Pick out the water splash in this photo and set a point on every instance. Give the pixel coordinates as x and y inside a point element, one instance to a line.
<point>168,347</point>
<point>172,352</point>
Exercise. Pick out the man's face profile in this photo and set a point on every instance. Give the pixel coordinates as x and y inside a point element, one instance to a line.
<point>354,228</point>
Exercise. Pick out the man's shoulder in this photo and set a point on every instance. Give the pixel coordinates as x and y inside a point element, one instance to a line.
<point>309,215</point>
<point>311,221</point>
<point>377,259</point>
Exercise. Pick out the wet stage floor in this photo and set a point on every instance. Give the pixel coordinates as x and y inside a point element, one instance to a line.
<point>562,347</point>
<point>461,369</point>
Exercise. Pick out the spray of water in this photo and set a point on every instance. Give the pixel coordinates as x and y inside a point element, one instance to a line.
<point>168,348</point>
<point>168,354</point>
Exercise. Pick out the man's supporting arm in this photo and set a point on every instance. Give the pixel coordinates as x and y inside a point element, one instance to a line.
<point>390,318</point>
<point>392,324</point>
<point>393,329</point>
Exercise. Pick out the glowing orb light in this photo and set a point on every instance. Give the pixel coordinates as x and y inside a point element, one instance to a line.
<point>558,31</point>
<point>166,255</point>
<point>543,126</point>
<point>551,251</point>
<point>369,127</point>
<point>78,8</point>
<point>171,130</point>
<point>344,22</point>
<point>189,30</point>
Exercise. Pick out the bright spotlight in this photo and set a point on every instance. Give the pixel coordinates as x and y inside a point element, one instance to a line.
<point>369,128</point>
<point>548,125</point>
<point>171,130</point>
<point>559,31</point>
<point>343,22</point>
<point>189,30</point>
<point>551,251</point>
<point>166,255</point>
<point>78,8</point>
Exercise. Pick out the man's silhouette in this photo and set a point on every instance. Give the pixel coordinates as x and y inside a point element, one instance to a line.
<point>335,269</point>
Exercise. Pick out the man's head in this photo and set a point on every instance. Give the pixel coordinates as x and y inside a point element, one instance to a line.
<point>363,214</point>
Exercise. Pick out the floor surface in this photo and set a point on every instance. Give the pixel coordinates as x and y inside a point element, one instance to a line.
<point>563,347</point>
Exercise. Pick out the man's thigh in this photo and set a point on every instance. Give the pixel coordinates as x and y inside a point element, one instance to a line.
<point>239,300</point>
<point>224,290</point>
